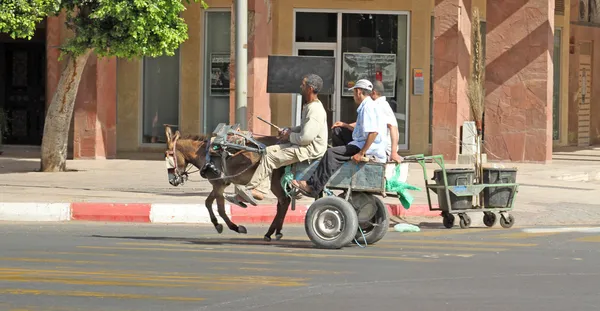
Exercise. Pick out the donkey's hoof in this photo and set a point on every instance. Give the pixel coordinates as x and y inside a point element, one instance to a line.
<point>219,228</point>
<point>278,236</point>
<point>242,229</point>
<point>267,238</point>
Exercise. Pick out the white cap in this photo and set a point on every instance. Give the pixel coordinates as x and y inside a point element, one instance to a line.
<point>362,84</point>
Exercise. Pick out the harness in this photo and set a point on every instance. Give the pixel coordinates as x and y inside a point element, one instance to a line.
<point>221,146</point>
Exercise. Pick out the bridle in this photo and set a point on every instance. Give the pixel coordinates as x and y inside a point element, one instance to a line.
<point>179,177</point>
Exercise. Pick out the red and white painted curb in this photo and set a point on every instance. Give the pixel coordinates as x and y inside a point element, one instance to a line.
<point>165,213</point>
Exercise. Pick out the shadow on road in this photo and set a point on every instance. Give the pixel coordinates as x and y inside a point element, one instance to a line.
<point>292,244</point>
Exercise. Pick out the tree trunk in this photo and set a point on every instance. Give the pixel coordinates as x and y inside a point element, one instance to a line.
<point>59,115</point>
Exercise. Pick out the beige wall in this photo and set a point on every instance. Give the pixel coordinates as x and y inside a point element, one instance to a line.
<point>419,37</point>
<point>129,81</point>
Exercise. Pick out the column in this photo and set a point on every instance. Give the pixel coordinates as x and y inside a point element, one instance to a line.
<point>260,33</point>
<point>452,48</point>
<point>95,134</point>
<point>518,111</point>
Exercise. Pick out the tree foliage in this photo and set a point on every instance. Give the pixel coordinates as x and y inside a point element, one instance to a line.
<point>122,28</point>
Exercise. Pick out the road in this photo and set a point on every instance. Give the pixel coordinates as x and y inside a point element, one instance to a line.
<point>96,266</point>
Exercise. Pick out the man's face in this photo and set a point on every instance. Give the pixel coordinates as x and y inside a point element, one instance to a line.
<point>356,96</point>
<point>306,90</point>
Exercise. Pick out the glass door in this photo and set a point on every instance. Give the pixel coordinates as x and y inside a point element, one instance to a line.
<point>328,100</point>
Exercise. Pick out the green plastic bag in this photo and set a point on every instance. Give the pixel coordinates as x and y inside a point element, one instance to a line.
<point>401,188</point>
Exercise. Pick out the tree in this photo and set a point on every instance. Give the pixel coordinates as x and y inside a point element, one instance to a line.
<point>475,88</point>
<point>121,28</point>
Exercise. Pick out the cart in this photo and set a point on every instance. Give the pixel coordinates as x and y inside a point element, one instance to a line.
<point>357,213</point>
<point>466,194</point>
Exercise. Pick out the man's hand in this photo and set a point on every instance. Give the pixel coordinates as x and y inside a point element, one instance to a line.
<point>284,135</point>
<point>339,124</point>
<point>396,157</point>
<point>357,158</point>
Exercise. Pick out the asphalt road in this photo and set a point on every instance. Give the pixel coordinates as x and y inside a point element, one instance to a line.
<point>95,266</point>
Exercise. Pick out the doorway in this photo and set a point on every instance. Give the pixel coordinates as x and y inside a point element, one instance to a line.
<point>23,91</point>
<point>585,87</point>
<point>326,99</point>
<point>370,45</point>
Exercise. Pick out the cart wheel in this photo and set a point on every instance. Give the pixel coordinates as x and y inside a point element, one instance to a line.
<point>375,228</point>
<point>465,221</point>
<point>448,221</point>
<point>489,219</point>
<point>331,222</point>
<point>507,222</point>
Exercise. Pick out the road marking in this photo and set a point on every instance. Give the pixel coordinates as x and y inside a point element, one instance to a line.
<point>200,258</point>
<point>262,253</point>
<point>379,246</point>
<point>592,239</point>
<point>74,281</point>
<point>213,279</point>
<point>37,292</point>
<point>445,232</point>
<point>563,229</point>
<point>522,235</point>
<point>55,260</point>
<point>450,242</point>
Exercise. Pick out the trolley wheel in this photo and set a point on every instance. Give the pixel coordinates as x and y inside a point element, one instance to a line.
<point>465,221</point>
<point>507,221</point>
<point>375,228</point>
<point>331,222</point>
<point>448,220</point>
<point>489,219</point>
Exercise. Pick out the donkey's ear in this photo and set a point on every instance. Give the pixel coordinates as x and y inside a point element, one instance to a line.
<point>177,135</point>
<point>168,132</point>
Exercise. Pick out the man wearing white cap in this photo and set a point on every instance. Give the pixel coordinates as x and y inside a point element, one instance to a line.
<point>368,140</point>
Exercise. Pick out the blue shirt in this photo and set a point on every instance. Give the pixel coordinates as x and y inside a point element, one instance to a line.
<point>370,120</point>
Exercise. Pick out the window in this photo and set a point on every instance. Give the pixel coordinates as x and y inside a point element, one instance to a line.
<point>217,49</point>
<point>556,85</point>
<point>161,96</point>
<point>374,46</point>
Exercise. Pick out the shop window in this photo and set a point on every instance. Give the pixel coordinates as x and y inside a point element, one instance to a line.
<point>316,27</point>
<point>374,46</point>
<point>217,51</point>
<point>556,60</point>
<point>160,97</point>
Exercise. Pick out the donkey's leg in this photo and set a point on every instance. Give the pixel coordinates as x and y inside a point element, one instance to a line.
<point>221,209</point>
<point>208,203</point>
<point>282,206</point>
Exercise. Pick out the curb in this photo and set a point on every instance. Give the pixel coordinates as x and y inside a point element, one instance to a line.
<point>166,213</point>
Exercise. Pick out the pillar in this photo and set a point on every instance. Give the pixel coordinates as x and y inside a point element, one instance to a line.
<point>95,134</point>
<point>518,105</point>
<point>260,34</point>
<point>452,48</point>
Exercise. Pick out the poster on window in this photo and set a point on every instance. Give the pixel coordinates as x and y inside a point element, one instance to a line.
<point>370,66</point>
<point>219,70</point>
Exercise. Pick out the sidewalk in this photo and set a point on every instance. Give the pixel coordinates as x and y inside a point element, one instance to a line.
<point>564,192</point>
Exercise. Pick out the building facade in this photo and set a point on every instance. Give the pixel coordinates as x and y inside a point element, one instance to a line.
<point>540,86</point>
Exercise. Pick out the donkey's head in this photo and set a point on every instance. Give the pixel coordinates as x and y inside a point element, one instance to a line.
<point>175,159</point>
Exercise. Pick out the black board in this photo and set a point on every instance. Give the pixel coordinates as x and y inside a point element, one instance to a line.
<point>285,73</point>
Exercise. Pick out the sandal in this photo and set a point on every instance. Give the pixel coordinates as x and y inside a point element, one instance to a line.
<point>232,198</point>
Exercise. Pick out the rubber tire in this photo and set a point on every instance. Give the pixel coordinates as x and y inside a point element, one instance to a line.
<point>349,216</point>
<point>465,221</point>
<point>507,224</point>
<point>382,218</point>
<point>449,221</point>
<point>489,219</point>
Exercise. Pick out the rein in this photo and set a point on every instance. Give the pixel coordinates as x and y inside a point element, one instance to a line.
<point>173,153</point>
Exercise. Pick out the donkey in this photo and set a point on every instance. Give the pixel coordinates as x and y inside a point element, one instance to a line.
<point>183,151</point>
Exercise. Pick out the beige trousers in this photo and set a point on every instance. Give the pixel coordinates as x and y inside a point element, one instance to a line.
<point>276,156</point>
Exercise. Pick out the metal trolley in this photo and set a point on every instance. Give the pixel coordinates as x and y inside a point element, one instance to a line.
<point>469,197</point>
